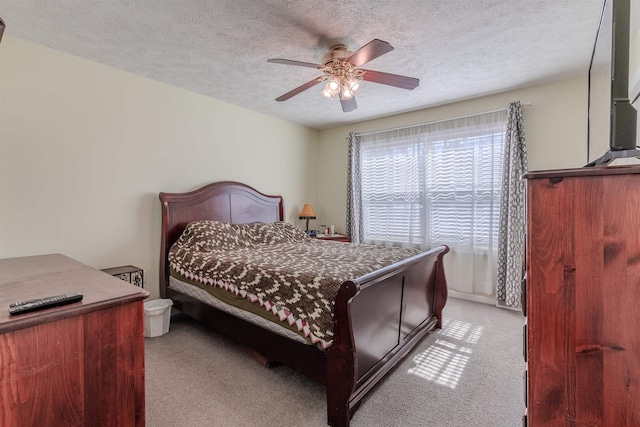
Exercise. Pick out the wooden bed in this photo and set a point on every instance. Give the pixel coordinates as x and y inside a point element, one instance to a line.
<point>378,318</point>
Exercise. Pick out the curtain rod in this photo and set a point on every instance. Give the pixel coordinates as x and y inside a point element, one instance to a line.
<point>524,104</point>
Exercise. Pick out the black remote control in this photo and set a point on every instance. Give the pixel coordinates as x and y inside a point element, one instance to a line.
<point>42,303</point>
<point>24,302</point>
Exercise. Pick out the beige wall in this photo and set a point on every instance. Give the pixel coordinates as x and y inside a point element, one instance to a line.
<point>634,74</point>
<point>85,149</point>
<point>634,66</point>
<point>555,128</point>
<point>634,62</point>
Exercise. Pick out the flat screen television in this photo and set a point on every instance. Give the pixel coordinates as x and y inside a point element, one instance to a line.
<point>612,117</point>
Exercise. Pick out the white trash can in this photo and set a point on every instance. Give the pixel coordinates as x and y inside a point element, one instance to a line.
<point>157,316</point>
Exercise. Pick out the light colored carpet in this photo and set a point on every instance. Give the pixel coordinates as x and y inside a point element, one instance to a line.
<point>468,373</point>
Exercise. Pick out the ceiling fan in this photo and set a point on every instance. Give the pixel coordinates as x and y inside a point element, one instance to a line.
<point>343,75</point>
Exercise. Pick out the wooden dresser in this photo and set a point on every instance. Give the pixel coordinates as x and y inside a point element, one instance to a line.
<point>80,364</point>
<point>583,297</point>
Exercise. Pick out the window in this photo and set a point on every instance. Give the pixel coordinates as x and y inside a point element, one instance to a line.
<point>434,184</point>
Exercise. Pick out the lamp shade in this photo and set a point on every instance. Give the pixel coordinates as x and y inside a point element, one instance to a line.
<point>307,212</point>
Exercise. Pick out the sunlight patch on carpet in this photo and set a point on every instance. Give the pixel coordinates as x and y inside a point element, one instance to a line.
<point>444,361</point>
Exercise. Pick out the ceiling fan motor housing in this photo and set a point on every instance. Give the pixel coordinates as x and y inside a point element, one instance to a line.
<point>337,52</point>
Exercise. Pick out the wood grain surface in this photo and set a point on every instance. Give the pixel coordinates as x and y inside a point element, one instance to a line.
<point>76,365</point>
<point>583,293</point>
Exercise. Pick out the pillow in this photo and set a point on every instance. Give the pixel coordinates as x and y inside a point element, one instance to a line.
<point>211,235</point>
<point>217,235</point>
<point>278,232</point>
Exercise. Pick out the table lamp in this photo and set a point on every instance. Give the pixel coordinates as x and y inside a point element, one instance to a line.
<point>307,213</point>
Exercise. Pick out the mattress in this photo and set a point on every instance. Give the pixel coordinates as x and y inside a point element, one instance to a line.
<point>205,297</point>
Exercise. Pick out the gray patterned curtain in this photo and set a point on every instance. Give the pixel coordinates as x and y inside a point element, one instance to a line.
<point>354,199</point>
<point>512,204</point>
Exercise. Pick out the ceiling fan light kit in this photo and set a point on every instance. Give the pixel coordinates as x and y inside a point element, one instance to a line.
<point>344,77</point>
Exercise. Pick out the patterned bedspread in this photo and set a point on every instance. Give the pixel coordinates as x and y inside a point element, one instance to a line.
<point>278,267</point>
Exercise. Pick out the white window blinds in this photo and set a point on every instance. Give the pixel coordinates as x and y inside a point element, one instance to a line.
<point>434,184</point>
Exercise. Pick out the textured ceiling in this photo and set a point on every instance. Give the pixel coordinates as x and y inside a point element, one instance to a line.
<point>459,49</point>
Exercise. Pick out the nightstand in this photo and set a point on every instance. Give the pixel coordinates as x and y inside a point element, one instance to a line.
<point>128,273</point>
<point>334,237</point>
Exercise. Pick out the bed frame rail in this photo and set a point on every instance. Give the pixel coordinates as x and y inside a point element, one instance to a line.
<point>379,318</point>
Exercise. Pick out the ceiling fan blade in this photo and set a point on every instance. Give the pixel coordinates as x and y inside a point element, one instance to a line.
<point>1,28</point>
<point>298,63</point>
<point>369,51</point>
<point>349,104</point>
<point>299,89</point>
<point>403,82</point>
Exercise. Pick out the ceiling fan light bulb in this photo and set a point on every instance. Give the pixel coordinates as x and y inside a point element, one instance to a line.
<point>333,85</point>
<point>354,86</point>
<point>346,93</point>
<point>326,92</point>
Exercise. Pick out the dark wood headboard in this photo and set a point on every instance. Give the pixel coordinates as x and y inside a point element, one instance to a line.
<point>226,201</point>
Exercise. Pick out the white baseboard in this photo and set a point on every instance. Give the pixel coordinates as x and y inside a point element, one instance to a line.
<point>471,297</point>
